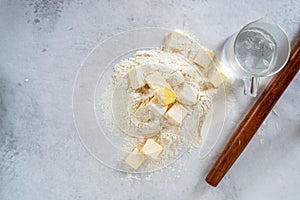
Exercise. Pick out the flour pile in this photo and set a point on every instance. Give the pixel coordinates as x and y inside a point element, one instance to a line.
<point>160,98</point>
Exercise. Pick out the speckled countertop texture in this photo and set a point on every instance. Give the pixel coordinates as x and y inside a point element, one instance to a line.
<point>42,44</point>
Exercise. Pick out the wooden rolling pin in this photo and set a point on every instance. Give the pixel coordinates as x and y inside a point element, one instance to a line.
<point>254,118</point>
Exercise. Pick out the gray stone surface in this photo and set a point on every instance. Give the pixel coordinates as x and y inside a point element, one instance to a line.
<point>42,44</point>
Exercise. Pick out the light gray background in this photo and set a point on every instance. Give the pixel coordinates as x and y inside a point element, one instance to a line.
<point>42,44</point>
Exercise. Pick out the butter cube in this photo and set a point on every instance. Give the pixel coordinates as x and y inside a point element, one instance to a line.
<point>149,68</point>
<point>162,90</point>
<point>157,109</point>
<point>165,95</point>
<point>152,149</point>
<point>179,42</point>
<point>155,80</point>
<point>176,78</point>
<point>135,159</point>
<point>162,68</point>
<point>176,114</point>
<point>186,94</point>
<point>195,46</point>
<point>204,57</point>
<point>136,78</point>
<point>215,78</point>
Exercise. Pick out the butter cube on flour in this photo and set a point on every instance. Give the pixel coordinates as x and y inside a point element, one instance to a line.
<point>215,78</point>
<point>176,114</point>
<point>162,90</point>
<point>204,57</point>
<point>176,78</point>
<point>162,68</point>
<point>157,109</point>
<point>135,159</point>
<point>179,42</point>
<point>186,94</point>
<point>152,149</point>
<point>165,95</point>
<point>149,68</point>
<point>155,80</point>
<point>195,46</point>
<point>136,77</point>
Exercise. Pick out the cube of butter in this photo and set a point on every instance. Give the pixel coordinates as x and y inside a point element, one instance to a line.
<point>204,57</point>
<point>195,46</point>
<point>156,109</point>
<point>179,42</point>
<point>215,78</point>
<point>149,68</point>
<point>176,78</point>
<point>155,80</point>
<point>135,158</point>
<point>176,114</point>
<point>165,95</point>
<point>152,149</point>
<point>186,94</point>
<point>136,78</point>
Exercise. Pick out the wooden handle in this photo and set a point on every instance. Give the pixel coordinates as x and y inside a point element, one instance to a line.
<point>254,118</point>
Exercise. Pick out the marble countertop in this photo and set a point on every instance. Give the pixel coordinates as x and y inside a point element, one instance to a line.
<point>42,44</point>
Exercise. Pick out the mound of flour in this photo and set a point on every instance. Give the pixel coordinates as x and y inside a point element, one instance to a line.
<point>120,102</point>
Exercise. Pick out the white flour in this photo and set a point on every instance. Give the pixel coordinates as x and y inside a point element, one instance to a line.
<point>120,102</point>
<point>125,101</point>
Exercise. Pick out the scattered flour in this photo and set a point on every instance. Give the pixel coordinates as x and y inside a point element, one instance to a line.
<point>275,112</point>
